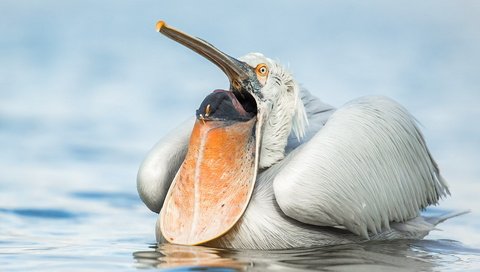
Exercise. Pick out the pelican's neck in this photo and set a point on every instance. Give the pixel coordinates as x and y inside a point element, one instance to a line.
<point>276,130</point>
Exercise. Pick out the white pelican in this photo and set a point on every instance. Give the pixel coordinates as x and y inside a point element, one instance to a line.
<point>268,165</point>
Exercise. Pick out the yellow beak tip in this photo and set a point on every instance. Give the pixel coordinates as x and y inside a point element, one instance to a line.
<point>159,25</point>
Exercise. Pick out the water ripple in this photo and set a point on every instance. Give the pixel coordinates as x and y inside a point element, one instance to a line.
<point>40,213</point>
<point>400,255</point>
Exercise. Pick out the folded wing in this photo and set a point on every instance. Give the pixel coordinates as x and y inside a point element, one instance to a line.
<point>158,169</point>
<point>368,166</point>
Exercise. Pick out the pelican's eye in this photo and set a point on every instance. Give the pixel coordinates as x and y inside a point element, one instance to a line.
<point>262,72</point>
<point>262,69</point>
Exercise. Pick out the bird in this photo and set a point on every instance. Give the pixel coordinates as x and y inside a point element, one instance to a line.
<point>268,165</point>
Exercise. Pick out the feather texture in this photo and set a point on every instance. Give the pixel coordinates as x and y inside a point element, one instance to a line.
<point>367,167</point>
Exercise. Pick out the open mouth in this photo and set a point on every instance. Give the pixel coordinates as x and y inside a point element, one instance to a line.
<point>222,105</point>
<point>247,101</point>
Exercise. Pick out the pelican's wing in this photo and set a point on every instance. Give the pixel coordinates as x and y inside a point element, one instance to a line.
<point>161,164</point>
<point>368,166</point>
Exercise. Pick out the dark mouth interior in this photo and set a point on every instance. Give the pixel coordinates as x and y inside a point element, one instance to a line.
<point>227,106</point>
<point>247,101</point>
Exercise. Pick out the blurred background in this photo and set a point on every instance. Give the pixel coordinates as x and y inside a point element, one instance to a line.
<point>88,87</point>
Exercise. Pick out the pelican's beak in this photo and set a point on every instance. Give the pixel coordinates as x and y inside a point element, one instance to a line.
<point>214,184</point>
<point>237,71</point>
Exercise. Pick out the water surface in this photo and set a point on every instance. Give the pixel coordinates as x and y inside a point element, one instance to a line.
<point>88,87</point>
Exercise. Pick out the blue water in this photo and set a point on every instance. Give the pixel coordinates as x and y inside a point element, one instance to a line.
<point>88,87</point>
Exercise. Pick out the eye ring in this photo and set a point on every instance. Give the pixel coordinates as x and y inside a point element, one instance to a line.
<point>261,70</point>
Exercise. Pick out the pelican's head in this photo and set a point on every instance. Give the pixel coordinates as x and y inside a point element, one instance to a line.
<point>278,101</point>
<point>238,131</point>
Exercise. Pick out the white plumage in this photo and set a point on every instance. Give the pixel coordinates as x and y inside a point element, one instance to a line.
<point>355,171</point>
<point>367,167</point>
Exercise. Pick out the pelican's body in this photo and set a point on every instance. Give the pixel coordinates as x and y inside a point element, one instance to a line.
<point>323,175</point>
<point>264,225</point>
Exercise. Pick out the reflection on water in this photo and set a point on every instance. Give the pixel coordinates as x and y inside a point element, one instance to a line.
<point>405,255</point>
<point>173,256</point>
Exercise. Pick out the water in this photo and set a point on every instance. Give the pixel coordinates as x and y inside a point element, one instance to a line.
<point>86,88</point>
<point>427,255</point>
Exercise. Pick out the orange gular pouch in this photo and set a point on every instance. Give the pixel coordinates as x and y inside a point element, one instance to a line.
<point>215,181</point>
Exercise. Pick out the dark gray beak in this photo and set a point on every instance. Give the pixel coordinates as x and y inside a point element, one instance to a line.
<point>238,72</point>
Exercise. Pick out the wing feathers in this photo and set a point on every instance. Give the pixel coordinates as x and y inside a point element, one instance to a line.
<point>161,164</point>
<point>367,167</point>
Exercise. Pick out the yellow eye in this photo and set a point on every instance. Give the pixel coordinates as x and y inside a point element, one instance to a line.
<point>262,70</point>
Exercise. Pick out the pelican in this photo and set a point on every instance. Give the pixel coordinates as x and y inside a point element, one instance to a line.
<point>267,165</point>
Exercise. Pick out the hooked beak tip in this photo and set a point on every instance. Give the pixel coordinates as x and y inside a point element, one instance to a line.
<point>159,25</point>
